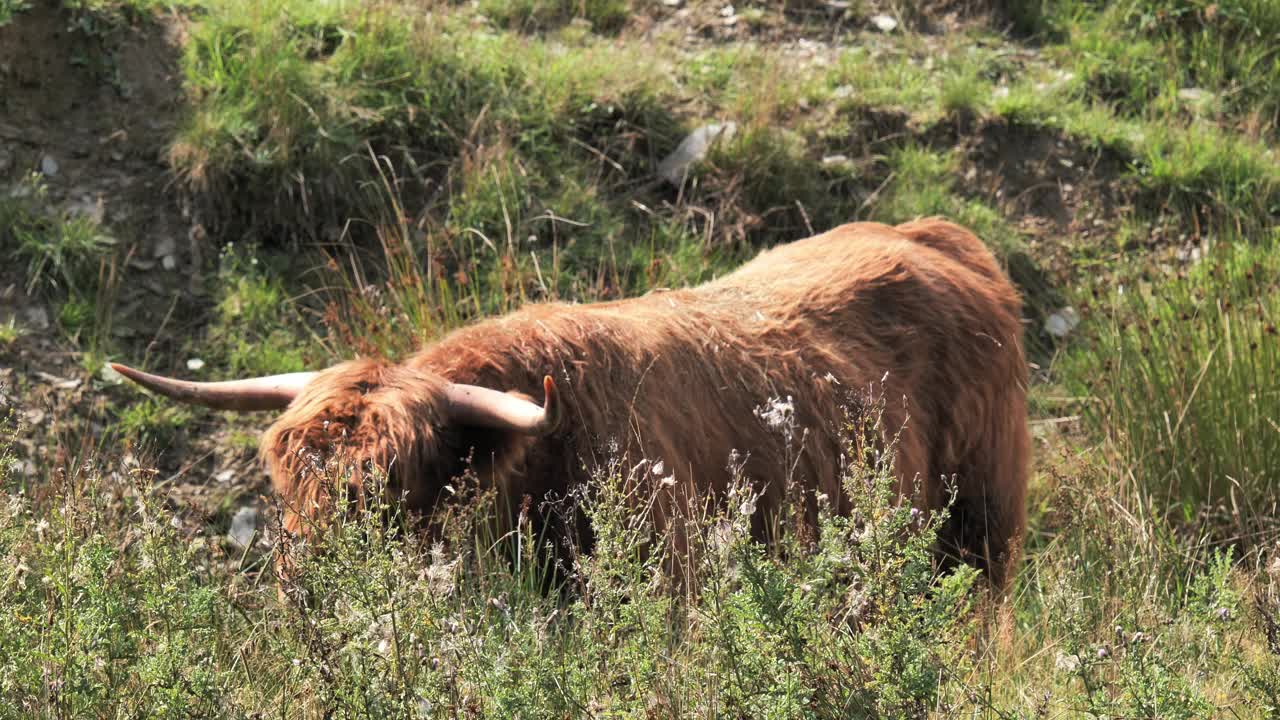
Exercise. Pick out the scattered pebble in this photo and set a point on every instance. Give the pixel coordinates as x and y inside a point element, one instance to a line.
<point>884,23</point>
<point>195,363</point>
<point>35,316</point>
<point>168,262</point>
<point>165,246</point>
<point>1194,94</point>
<point>675,167</point>
<point>48,166</point>
<point>1061,323</point>
<point>60,383</point>
<point>1189,255</point>
<point>86,206</point>
<point>244,525</point>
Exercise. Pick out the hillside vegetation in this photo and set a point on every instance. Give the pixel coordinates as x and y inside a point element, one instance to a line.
<point>222,187</point>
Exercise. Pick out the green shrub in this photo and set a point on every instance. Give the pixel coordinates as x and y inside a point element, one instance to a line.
<point>255,330</point>
<point>60,251</point>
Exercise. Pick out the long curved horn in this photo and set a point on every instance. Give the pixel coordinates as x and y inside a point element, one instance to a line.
<point>475,405</point>
<point>274,392</point>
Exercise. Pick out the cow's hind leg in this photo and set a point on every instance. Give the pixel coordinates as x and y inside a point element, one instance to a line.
<point>987,518</point>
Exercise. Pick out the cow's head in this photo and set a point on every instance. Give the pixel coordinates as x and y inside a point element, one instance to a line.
<point>356,417</point>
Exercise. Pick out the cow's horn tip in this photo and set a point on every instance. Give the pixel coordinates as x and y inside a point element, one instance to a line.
<point>124,370</point>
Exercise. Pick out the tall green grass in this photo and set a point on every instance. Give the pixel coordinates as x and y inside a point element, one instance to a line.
<point>1186,374</point>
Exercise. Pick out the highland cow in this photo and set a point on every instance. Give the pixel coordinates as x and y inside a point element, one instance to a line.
<point>920,310</point>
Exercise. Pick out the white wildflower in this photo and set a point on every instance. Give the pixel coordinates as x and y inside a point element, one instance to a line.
<point>780,415</point>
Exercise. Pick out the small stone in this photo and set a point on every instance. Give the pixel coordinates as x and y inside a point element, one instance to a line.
<point>1194,95</point>
<point>48,166</point>
<point>224,477</point>
<point>165,246</point>
<point>195,363</point>
<point>884,23</point>
<point>832,161</point>
<point>89,208</point>
<point>842,92</point>
<point>1066,163</point>
<point>244,525</point>
<point>672,3</point>
<point>1061,323</point>
<point>727,11</point>
<point>168,262</point>
<point>675,167</point>
<point>36,316</point>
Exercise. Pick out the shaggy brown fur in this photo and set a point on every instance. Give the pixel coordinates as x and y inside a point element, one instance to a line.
<point>677,376</point>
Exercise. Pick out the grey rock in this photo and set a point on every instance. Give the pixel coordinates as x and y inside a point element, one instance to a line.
<point>35,316</point>
<point>884,23</point>
<point>244,525</point>
<point>87,207</point>
<point>165,246</point>
<point>1194,95</point>
<point>836,161</point>
<point>1061,323</point>
<point>48,166</point>
<point>674,168</point>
